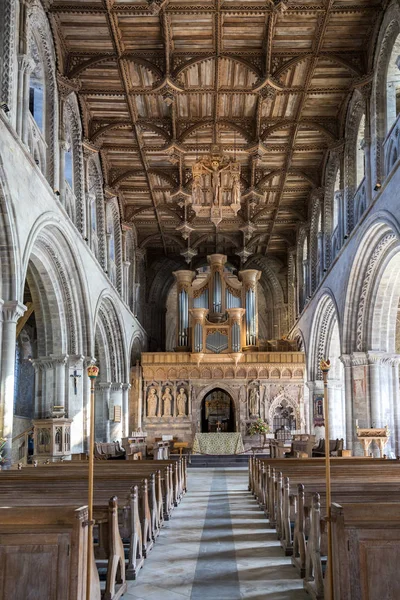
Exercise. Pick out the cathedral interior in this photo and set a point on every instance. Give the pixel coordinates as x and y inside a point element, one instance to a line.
<point>200,199</point>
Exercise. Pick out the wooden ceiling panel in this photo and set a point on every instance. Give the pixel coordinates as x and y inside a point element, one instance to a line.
<point>140,33</point>
<point>161,82</point>
<point>240,33</point>
<point>188,33</point>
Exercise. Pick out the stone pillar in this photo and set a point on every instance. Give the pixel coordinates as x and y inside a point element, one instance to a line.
<point>316,391</point>
<point>125,409</point>
<point>11,311</point>
<point>101,416</point>
<point>89,360</point>
<point>115,401</point>
<point>396,405</point>
<point>75,401</point>
<point>348,400</point>
<point>63,187</point>
<point>26,64</point>
<point>58,363</point>
<point>126,267</point>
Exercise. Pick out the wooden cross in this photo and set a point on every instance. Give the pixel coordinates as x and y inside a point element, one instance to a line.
<point>75,375</point>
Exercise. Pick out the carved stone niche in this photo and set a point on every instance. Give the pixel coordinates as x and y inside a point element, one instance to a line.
<point>52,439</point>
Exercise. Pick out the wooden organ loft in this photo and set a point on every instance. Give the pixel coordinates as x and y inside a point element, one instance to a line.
<point>217,311</point>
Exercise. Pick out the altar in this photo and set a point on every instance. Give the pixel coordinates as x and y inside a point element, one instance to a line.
<point>218,443</point>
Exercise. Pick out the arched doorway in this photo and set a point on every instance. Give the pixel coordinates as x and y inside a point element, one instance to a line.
<point>217,410</point>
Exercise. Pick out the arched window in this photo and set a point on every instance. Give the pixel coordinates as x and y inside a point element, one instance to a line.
<point>96,212</point>
<point>319,264</point>
<point>393,86</point>
<point>336,202</point>
<point>110,234</point>
<point>360,155</point>
<point>36,134</point>
<point>304,271</point>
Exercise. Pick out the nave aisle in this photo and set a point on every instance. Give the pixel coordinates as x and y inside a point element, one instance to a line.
<point>221,548</point>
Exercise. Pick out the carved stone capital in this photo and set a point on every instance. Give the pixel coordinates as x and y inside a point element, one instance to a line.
<point>11,311</point>
<point>26,63</point>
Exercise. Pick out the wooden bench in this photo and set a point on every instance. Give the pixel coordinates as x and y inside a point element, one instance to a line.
<point>108,451</point>
<point>294,497</point>
<point>43,553</point>
<point>366,551</point>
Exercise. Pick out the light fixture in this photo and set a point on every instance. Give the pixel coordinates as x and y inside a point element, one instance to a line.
<point>57,192</point>
<point>378,186</point>
<point>5,107</point>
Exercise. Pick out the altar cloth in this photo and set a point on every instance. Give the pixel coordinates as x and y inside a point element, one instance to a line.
<point>218,443</point>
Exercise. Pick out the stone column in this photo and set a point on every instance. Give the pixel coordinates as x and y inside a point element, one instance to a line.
<point>101,416</point>
<point>59,366</point>
<point>62,190</point>
<point>11,311</point>
<point>375,368</point>
<point>125,409</point>
<point>26,64</point>
<point>396,405</point>
<point>126,266</point>
<point>316,391</point>
<point>115,401</point>
<point>75,402</point>
<point>89,360</point>
<point>348,401</point>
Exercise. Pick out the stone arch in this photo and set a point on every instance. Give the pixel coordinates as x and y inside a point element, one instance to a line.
<point>72,121</point>
<point>10,277</point>
<point>316,233</point>
<point>114,254</point>
<point>96,210</point>
<point>326,340</point>
<point>356,111</point>
<point>376,246</point>
<point>389,31</point>
<point>53,270</point>
<point>108,320</point>
<point>39,32</point>
<point>8,26</point>
<point>276,402</point>
<point>331,172</point>
<point>217,384</point>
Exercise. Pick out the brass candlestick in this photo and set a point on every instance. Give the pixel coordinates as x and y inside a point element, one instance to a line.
<point>325,365</point>
<point>92,374</point>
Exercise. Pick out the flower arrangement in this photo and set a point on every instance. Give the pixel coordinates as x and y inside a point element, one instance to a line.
<point>258,427</point>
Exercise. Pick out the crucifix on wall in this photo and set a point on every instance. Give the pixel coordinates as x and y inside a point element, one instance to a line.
<point>75,376</point>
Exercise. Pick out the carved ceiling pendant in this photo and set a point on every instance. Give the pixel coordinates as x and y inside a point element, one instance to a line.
<point>216,186</point>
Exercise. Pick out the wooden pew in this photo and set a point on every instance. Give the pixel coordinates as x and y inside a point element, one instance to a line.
<point>352,482</point>
<point>43,553</point>
<point>121,474</point>
<point>366,551</point>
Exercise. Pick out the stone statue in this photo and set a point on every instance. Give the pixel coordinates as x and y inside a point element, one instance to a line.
<point>181,401</point>
<point>152,400</point>
<point>254,403</point>
<point>167,402</point>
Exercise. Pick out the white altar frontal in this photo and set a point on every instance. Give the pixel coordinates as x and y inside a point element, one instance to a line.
<point>221,376</point>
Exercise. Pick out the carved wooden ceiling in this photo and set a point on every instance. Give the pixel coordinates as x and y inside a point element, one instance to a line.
<point>159,81</point>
